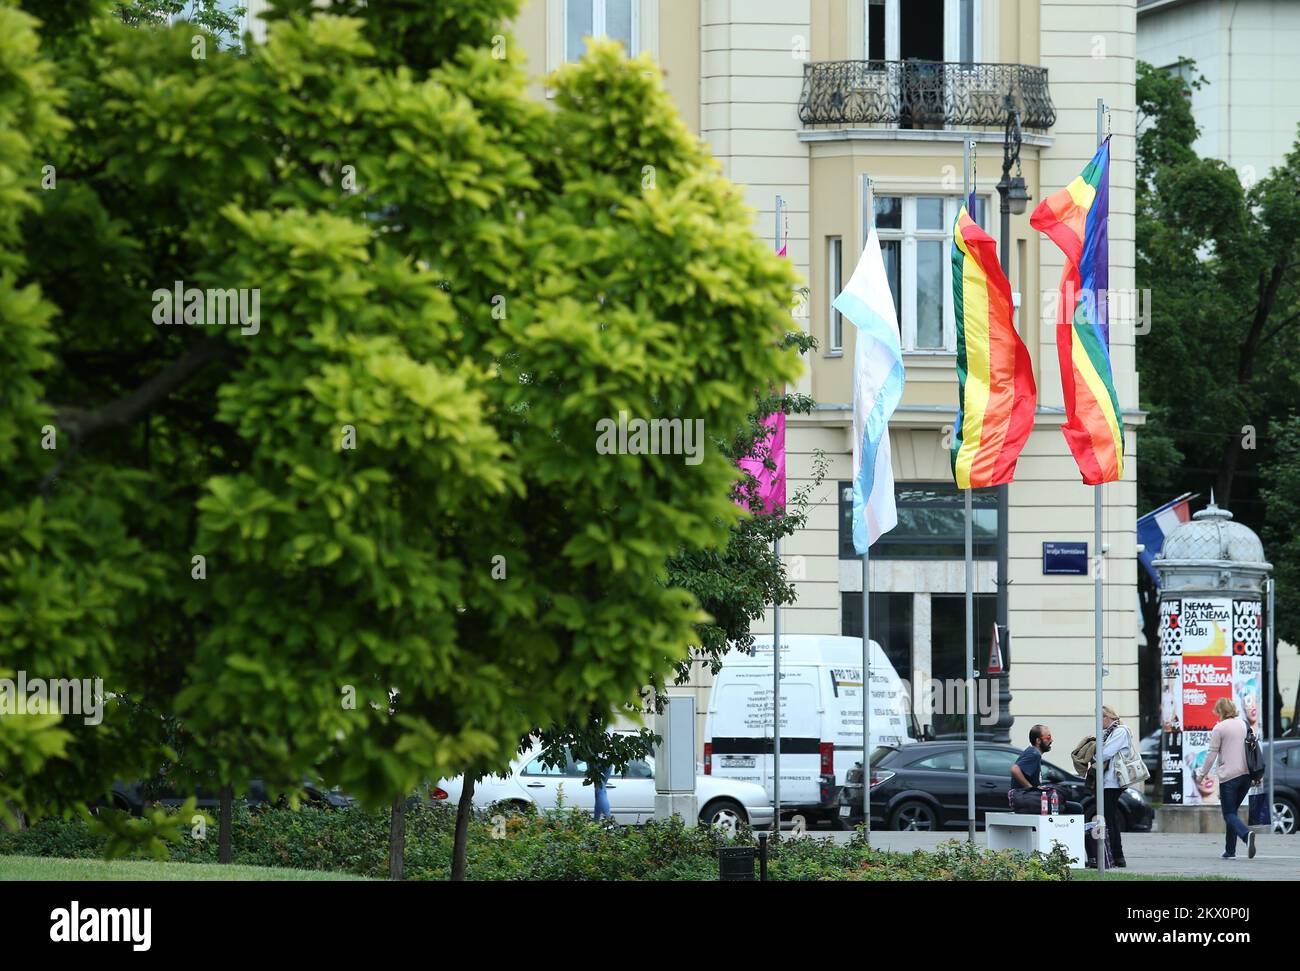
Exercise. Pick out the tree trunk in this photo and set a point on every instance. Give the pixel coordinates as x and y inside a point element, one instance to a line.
<point>225,847</point>
<point>397,839</point>
<point>462,828</point>
<point>1246,360</point>
<point>1227,470</point>
<point>20,818</point>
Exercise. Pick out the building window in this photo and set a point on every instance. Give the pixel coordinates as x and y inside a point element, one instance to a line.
<point>616,19</point>
<point>834,284</point>
<point>966,31</point>
<point>948,649</point>
<point>1184,69</point>
<point>916,245</point>
<point>931,523</point>
<point>876,30</point>
<point>922,30</point>
<point>891,625</point>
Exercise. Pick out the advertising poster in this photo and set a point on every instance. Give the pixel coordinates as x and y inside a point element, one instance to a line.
<point>1206,657</point>
<point>1248,661</point>
<point>1210,648</point>
<point>1171,702</point>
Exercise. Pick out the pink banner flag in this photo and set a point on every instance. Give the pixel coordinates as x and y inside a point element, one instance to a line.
<point>771,482</point>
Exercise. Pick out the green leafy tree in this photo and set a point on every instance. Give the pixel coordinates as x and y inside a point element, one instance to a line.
<point>1216,250</point>
<point>219,17</point>
<point>367,533</point>
<point>1281,497</point>
<point>734,585</point>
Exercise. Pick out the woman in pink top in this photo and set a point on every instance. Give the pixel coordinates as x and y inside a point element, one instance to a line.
<point>1228,747</point>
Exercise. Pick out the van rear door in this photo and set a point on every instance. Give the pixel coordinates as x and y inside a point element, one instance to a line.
<point>740,722</point>
<point>741,725</point>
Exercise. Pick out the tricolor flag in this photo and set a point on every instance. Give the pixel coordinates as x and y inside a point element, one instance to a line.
<point>997,395</point>
<point>877,388</point>
<point>1075,218</point>
<point>1159,523</point>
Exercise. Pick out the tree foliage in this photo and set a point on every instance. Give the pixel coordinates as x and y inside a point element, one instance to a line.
<point>412,551</point>
<point>1217,251</point>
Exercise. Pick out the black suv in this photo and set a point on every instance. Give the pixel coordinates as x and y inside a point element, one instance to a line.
<point>135,797</point>
<point>923,787</point>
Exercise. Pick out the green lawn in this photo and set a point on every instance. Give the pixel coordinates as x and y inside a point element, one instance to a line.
<point>1117,874</point>
<point>48,868</point>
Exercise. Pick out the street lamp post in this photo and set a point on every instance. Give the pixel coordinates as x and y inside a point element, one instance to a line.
<point>1013,197</point>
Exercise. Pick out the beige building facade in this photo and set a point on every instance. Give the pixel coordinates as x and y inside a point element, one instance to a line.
<point>814,101</point>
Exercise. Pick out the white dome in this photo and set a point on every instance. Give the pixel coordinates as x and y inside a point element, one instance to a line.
<point>1212,536</point>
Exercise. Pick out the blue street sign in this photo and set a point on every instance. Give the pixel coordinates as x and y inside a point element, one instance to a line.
<point>1070,559</point>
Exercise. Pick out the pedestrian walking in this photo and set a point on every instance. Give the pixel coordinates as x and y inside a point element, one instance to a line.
<point>1228,749</point>
<point>1116,738</point>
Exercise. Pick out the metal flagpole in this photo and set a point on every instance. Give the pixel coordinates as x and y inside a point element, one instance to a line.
<point>1268,707</point>
<point>970,677</point>
<point>970,599</point>
<point>776,636</point>
<point>1097,662</point>
<point>776,705</point>
<point>870,210</point>
<point>1097,617</point>
<point>866,701</point>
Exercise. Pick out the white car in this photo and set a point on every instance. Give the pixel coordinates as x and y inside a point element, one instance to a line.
<point>722,802</point>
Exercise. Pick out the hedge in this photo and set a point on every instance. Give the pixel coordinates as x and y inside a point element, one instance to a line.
<point>562,846</point>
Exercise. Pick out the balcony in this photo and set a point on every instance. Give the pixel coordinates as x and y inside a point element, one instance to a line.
<point>923,94</point>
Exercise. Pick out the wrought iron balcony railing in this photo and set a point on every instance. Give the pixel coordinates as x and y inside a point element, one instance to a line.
<point>923,94</point>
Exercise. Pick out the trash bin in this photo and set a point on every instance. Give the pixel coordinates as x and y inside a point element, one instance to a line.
<point>736,863</point>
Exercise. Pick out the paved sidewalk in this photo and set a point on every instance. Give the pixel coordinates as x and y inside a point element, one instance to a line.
<point>1171,854</point>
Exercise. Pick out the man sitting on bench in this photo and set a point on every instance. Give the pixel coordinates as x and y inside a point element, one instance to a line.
<point>1028,768</point>
<point>1026,774</point>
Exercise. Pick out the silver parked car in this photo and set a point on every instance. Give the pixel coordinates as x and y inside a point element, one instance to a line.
<point>722,802</point>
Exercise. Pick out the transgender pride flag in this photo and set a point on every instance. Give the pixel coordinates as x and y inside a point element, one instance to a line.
<point>877,389</point>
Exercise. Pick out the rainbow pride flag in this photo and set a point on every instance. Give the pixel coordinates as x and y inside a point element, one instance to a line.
<point>1075,219</point>
<point>994,372</point>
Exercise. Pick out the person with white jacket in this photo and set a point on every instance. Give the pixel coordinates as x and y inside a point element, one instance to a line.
<point>1115,738</point>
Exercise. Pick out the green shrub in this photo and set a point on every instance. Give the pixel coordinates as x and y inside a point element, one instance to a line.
<point>53,837</point>
<point>557,846</point>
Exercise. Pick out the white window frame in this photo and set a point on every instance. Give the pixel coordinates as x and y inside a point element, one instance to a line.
<point>891,29</point>
<point>908,236</point>
<point>834,284</point>
<point>951,30</point>
<point>598,11</point>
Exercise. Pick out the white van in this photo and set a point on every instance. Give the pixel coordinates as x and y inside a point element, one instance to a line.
<point>821,718</point>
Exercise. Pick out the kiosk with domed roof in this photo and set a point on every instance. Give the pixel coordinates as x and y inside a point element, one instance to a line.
<point>1212,580</point>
